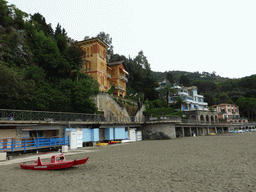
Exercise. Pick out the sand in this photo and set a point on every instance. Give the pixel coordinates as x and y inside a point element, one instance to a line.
<point>206,163</point>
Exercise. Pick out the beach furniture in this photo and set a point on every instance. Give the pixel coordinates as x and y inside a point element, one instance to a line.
<point>101,144</point>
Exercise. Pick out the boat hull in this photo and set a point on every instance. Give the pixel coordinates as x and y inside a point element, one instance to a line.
<point>57,162</point>
<point>80,161</point>
<point>48,166</point>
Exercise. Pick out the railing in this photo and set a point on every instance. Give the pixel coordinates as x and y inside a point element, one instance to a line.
<point>50,117</point>
<point>122,77</point>
<point>23,115</point>
<point>87,70</point>
<point>24,144</point>
<point>163,118</point>
<point>120,87</point>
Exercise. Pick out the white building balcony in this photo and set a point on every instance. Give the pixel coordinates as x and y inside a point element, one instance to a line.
<point>203,103</point>
<point>183,93</point>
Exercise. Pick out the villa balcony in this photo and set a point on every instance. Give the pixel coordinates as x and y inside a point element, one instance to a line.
<point>122,77</point>
<point>120,87</point>
<point>183,93</point>
<point>202,103</point>
<point>87,70</point>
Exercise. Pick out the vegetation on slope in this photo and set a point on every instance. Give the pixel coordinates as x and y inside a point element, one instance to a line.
<point>39,70</point>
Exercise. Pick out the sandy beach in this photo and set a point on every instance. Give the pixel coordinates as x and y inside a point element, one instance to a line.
<point>207,163</point>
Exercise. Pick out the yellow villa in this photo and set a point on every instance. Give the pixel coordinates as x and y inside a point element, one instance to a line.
<point>107,74</point>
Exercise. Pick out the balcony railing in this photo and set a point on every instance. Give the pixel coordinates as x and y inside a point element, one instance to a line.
<point>87,70</point>
<point>120,87</point>
<point>202,103</point>
<point>122,77</point>
<point>163,118</point>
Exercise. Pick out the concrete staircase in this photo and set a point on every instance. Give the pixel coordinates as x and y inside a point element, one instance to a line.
<point>110,107</point>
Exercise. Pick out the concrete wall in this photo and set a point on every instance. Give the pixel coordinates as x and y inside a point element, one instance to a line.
<point>158,131</point>
<point>139,115</point>
<point>109,106</point>
<point>7,133</point>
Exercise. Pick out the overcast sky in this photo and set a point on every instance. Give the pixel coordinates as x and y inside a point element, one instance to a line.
<point>185,35</point>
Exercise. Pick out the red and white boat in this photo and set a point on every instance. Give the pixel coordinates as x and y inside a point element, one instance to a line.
<point>57,162</point>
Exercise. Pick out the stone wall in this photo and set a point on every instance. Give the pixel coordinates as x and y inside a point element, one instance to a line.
<point>139,115</point>
<point>158,131</point>
<point>109,106</point>
<point>203,116</point>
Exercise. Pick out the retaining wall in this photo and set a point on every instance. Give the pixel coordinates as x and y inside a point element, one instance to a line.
<point>158,131</point>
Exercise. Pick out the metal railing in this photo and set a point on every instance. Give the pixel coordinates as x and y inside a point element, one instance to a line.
<point>25,144</point>
<point>47,116</point>
<point>122,77</point>
<point>120,87</point>
<point>163,118</point>
<point>197,122</point>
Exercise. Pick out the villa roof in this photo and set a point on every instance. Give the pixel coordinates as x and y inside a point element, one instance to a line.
<point>118,63</point>
<point>94,39</point>
<point>115,63</point>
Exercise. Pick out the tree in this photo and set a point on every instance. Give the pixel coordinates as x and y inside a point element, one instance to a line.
<point>209,98</point>
<point>170,78</point>
<point>144,77</point>
<point>19,16</point>
<point>178,103</point>
<point>74,56</point>
<point>15,90</point>
<point>165,92</point>
<point>47,56</point>
<point>41,24</point>
<point>81,93</point>
<point>247,107</point>
<point>184,80</point>
<point>5,14</point>
<point>60,37</point>
<point>205,86</point>
<point>108,40</point>
<point>224,98</point>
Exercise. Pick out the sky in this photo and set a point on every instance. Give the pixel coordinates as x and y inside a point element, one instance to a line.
<point>185,35</point>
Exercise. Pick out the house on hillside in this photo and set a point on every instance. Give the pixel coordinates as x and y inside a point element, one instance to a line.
<point>229,113</point>
<point>192,104</point>
<point>190,98</point>
<point>96,65</point>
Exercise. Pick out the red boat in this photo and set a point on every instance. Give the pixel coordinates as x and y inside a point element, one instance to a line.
<point>57,162</point>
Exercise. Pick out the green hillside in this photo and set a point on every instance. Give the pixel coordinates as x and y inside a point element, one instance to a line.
<point>39,70</point>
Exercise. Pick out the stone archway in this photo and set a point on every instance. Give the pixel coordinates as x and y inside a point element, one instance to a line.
<point>207,119</point>
<point>193,117</point>
<point>216,119</point>
<point>202,119</point>
<point>212,120</point>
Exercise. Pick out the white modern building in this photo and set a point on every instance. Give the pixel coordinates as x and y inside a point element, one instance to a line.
<point>190,98</point>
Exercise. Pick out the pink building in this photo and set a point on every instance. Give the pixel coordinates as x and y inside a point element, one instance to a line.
<point>230,113</point>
